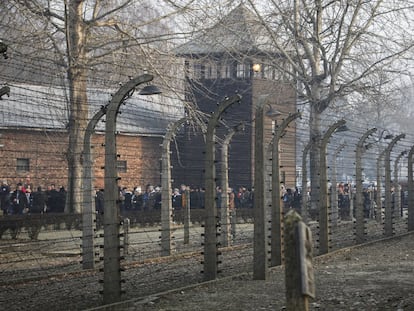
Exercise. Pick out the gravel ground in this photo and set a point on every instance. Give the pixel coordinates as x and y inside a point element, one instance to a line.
<point>377,276</point>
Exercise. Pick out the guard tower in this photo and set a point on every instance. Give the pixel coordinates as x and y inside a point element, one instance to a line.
<point>234,56</point>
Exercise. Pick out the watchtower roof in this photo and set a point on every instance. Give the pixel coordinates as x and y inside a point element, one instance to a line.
<point>238,32</point>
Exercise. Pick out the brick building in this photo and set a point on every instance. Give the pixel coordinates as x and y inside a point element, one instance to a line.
<point>34,140</point>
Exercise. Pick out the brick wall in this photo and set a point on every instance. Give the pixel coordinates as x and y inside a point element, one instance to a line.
<point>46,151</point>
<point>142,156</point>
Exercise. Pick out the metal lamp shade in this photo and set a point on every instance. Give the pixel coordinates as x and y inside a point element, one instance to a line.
<point>150,90</point>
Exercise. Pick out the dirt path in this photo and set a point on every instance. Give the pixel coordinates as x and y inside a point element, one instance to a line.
<point>379,276</point>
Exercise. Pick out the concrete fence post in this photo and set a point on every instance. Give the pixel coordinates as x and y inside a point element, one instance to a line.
<point>389,211</point>
<point>299,275</point>
<point>410,190</point>
<point>324,231</point>
<point>359,214</point>
<point>126,226</point>
<point>166,189</point>
<point>187,217</point>
<point>276,253</point>
<point>211,219</point>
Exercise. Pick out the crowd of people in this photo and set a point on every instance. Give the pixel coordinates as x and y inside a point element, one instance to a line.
<point>137,199</point>
<point>24,199</point>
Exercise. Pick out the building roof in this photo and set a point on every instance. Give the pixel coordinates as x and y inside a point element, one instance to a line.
<point>239,31</point>
<point>41,107</point>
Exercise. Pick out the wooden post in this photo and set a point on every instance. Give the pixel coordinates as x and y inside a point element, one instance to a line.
<point>298,264</point>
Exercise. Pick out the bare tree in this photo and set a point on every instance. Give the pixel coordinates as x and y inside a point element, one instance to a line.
<point>86,43</point>
<point>330,50</point>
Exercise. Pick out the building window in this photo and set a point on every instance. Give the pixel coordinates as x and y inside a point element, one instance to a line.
<point>243,70</point>
<point>198,70</point>
<point>193,69</point>
<point>188,69</point>
<point>226,71</point>
<point>23,165</point>
<point>121,166</point>
<point>211,71</point>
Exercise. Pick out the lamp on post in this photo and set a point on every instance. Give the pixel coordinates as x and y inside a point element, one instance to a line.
<point>211,221</point>
<point>324,199</point>
<point>112,269</point>
<point>277,210</point>
<point>166,203</point>
<point>359,208</point>
<point>225,213</point>
<point>388,222</point>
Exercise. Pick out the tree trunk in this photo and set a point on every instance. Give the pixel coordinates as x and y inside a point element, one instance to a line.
<point>77,77</point>
<point>314,169</point>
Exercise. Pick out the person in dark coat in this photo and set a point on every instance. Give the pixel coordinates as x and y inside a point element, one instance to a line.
<point>137,199</point>
<point>38,201</point>
<point>52,199</point>
<point>61,200</point>
<point>37,206</point>
<point>5,197</point>
<point>19,203</point>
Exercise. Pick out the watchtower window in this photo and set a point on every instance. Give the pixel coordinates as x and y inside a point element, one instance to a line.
<point>210,71</point>
<point>226,71</point>
<point>243,70</point>
<point>193,69</point>
<point>198,69</point>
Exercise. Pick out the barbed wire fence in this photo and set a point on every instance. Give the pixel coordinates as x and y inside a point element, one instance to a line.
<point>52,261</point>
